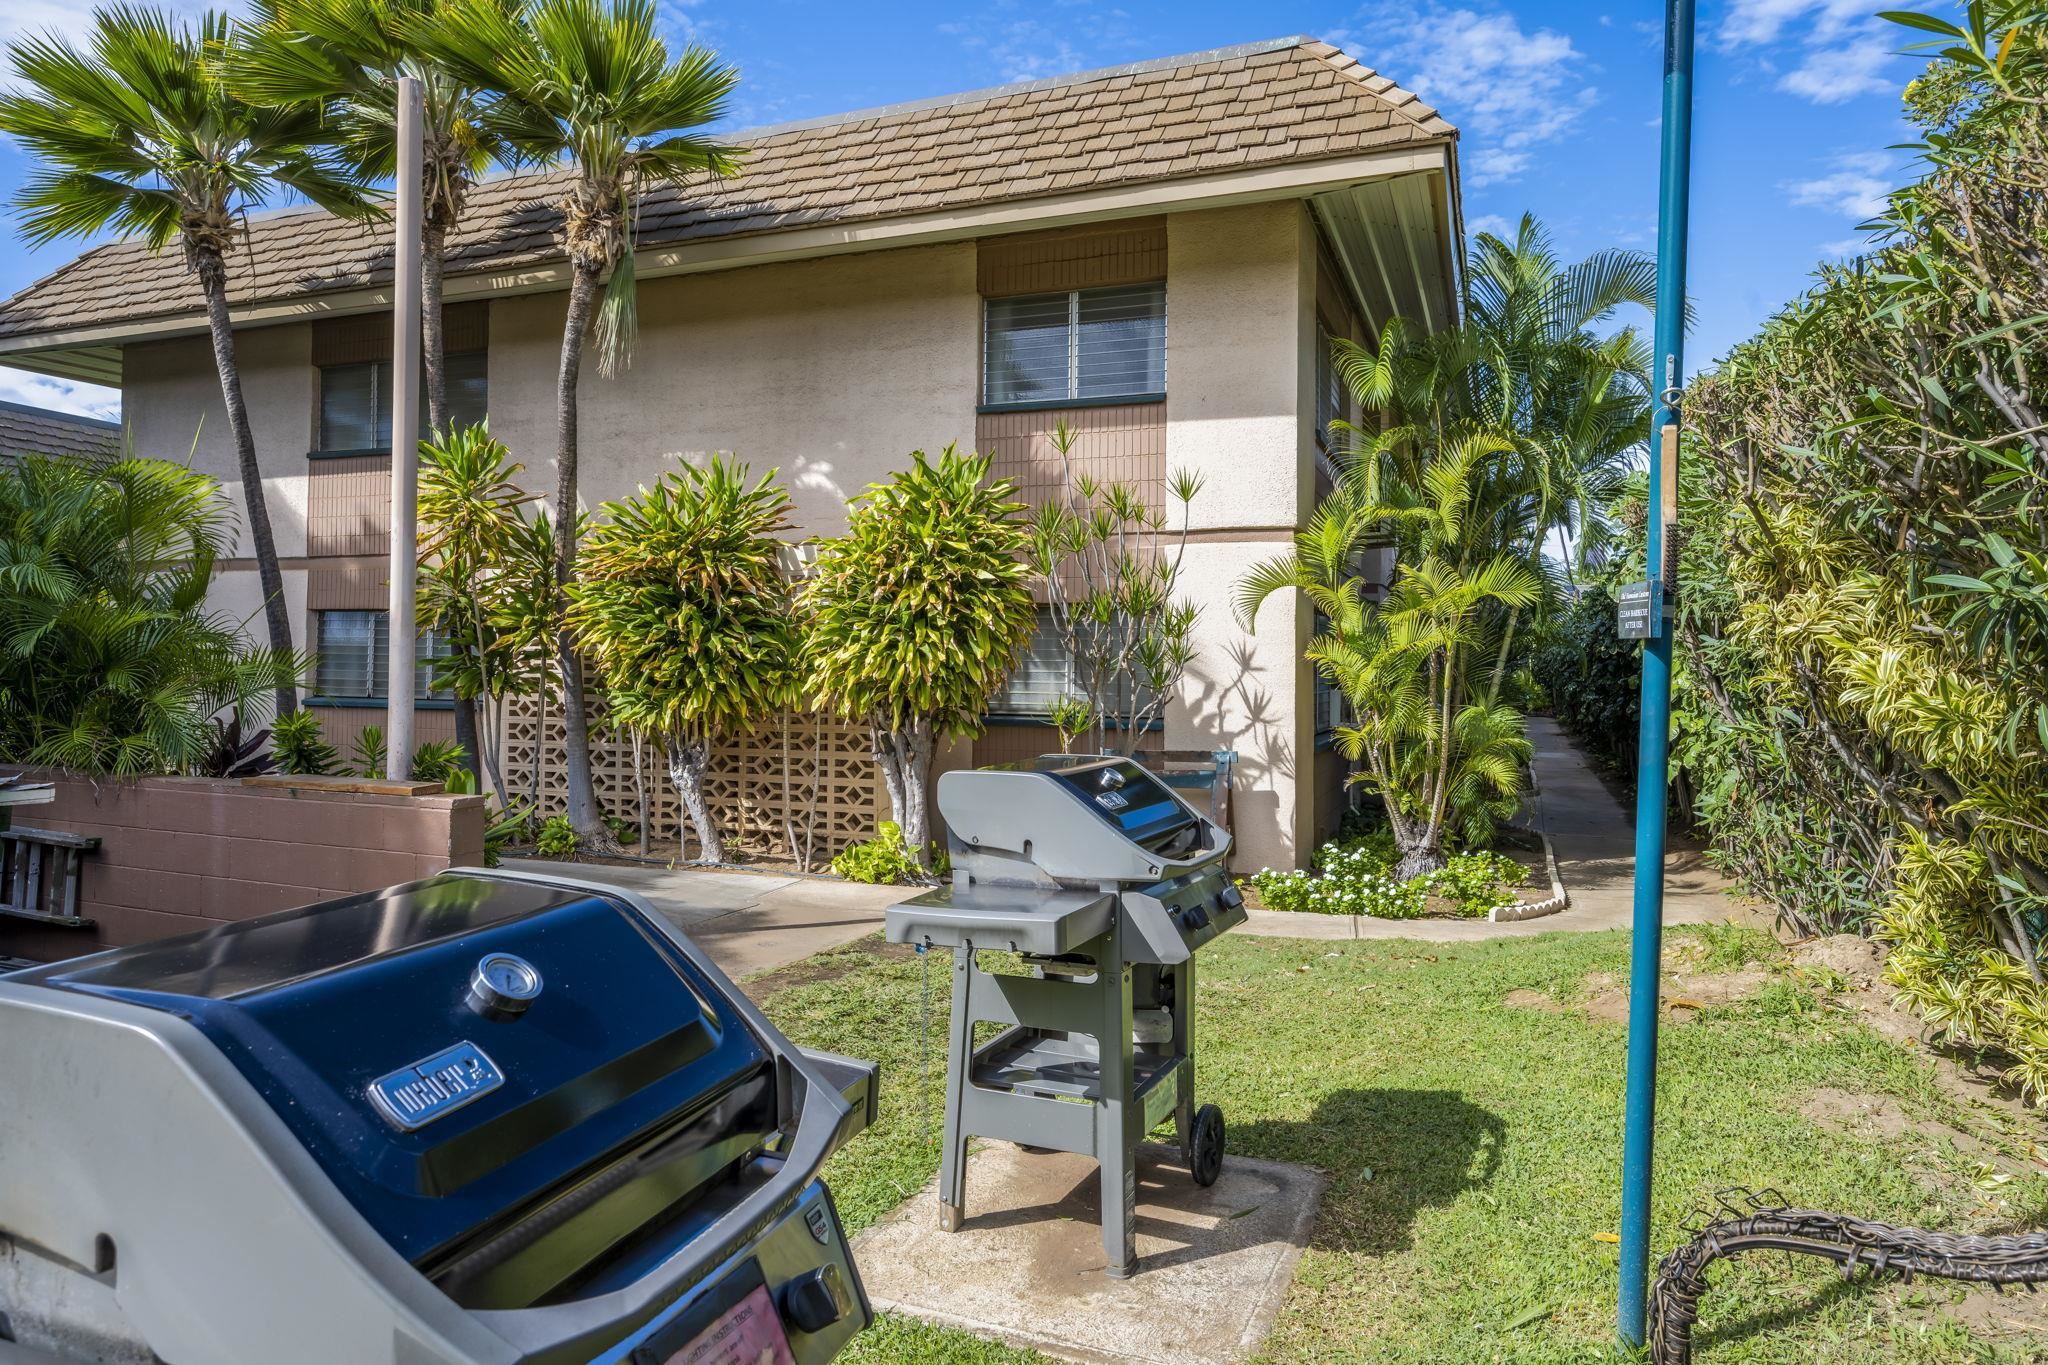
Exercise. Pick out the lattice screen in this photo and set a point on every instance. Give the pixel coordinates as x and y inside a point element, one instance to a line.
<point>828,787</point>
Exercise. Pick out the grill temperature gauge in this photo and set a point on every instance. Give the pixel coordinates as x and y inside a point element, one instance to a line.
<point>503,985</point>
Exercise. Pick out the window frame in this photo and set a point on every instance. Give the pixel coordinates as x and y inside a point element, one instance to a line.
<point>379,401</point>
<point>379,665</point>
<point>1072,398</point>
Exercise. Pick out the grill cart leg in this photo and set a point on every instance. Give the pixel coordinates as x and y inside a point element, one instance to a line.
<point>959,1061</point>
<point>1114,1118</point>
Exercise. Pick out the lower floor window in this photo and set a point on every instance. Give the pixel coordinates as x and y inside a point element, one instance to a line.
<point>1045,673</point>
<point>354,656</point>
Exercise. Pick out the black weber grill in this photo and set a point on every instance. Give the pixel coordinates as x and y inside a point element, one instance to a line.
<point>1107,883</point>
<point>489,1117</point>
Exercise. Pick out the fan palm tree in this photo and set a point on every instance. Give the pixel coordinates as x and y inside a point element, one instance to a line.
<point>592,84</point>
<point>344,58</point>
<point>141,133</point>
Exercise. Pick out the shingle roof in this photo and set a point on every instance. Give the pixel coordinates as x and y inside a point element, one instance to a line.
<point>39,431</point>
<point>1296,100</point>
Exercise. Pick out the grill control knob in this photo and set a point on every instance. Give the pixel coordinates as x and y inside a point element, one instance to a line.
<point>817,1299</point>
<point>503,985</point>
<point>1231,897</point>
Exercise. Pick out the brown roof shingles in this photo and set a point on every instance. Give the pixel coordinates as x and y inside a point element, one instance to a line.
<point>1295,102</point>
<point>40,431</point>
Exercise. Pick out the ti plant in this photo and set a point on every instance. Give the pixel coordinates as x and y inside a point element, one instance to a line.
<point>917,614</point>
<point>1108,562</point>
<point>683,610</point>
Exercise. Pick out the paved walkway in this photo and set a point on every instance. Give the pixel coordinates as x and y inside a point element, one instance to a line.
<point>747,921</point>
<point>1595,843</point>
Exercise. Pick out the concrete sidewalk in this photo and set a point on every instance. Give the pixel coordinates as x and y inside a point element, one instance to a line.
<point>1595,842</point>
<point>747,921</point>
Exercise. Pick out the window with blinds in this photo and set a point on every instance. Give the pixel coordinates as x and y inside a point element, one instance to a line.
<point>1043,675</point>
<point>355,401</point>
<point>1084,344</point>
<point>354,656</point>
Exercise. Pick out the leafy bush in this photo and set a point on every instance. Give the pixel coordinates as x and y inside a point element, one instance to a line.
<point>437,760</point>
<point>235,753</point>
<point>503,825</point>
<point>1356,877</point>
<point>1478,882</point>
<point>110,660</point>
<point>557,838</point>
<point>370,752</point>
<point>882,860</point>
<point>1862,699</point>
<point>300,747</point>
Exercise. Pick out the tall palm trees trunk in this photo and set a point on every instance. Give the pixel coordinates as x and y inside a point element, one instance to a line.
<point>584,816</point>
<point>209,264</point>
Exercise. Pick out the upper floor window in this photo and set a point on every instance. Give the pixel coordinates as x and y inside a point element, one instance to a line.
<point>355,400</point>
<point>1080,345</point>
<point>354,656</point>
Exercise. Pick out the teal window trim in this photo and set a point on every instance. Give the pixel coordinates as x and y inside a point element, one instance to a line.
<point>1042,404</point>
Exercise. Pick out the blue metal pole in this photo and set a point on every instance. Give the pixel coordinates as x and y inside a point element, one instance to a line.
<point>1653,759</point>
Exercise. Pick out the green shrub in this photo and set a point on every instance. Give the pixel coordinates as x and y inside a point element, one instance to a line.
<point>370,752</point>
<point>438,760</point>
<point>1593,677</point>
<point>1478,882</point>
<point>1355,877</point>
<point>882,860</point>
<point>299,746</point>
<point>557,838</point>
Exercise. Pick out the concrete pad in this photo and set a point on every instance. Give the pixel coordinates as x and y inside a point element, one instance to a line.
<point>748,922</point>
<point>1214,1265</point>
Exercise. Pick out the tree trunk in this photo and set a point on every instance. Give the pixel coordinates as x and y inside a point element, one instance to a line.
<point>465,739</point>
<point>584,816</point>
<point>213,282</point>
<point>687,760</point>
<point>1422,855</point>
<point>905,757</point>
<point>433,340</point>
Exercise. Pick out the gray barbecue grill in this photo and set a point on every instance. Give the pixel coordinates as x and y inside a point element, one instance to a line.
<point>1106,882</point>
<point>489,1117</point>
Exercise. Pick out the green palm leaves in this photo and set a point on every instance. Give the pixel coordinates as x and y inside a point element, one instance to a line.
<point>141,132</point>
<point>112,664</point>
<point>591,82</point>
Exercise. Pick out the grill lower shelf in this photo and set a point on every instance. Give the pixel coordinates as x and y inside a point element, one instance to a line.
<point>1032,1063</point>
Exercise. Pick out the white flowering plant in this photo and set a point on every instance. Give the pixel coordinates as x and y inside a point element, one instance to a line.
<point>1355,877</point>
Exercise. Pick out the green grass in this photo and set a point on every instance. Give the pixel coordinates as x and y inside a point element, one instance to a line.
<point>1472,1147</point>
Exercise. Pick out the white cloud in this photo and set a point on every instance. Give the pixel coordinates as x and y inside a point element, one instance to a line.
<point>1508,88</point>
<point>1846,249</point>
<point>1855,186</point>
<point>1826,51</point>
<point>1083,36</point>
<point>42,391</point>
<point>1490,222</point>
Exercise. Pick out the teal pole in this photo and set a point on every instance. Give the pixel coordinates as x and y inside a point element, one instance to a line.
<point>1653,756</point>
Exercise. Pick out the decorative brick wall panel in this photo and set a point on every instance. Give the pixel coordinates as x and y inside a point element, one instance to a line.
<point>828,786</point>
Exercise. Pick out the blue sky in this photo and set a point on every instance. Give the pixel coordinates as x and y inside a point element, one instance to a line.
<point>1797,106</point>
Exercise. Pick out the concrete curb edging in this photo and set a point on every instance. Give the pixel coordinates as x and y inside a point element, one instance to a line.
<point>1559,898</point>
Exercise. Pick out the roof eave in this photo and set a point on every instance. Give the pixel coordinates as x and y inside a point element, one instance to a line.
<point>1286,180</point>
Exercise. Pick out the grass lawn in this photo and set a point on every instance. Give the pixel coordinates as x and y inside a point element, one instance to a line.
<point>1472,1144</point>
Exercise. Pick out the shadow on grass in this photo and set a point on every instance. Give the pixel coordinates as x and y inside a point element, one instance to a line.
<point>1776,1319</point>
<point>1390,1154</point>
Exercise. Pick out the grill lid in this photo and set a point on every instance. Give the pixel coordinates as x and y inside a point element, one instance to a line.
<point>436,1110</point>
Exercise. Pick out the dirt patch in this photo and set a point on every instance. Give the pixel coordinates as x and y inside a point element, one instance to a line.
<point>1532,1000</point>
<point>1944,1156</point>
<point>828,967</point>
<point>1683,994</point>
<point>2013,1314</point>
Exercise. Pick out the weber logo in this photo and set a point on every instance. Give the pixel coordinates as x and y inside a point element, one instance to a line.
<point>1112,801</point>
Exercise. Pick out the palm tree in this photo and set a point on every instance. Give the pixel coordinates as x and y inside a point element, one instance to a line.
<point>141,134</point>
<point>110,661</point>
<point>344,58</point>
<point>1441,761</point>
<point>589,82</point>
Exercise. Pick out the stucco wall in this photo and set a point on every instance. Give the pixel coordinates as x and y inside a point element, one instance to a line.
<point>179,854</point>
<point>172,408</point>
<point>1240,282</point>
<point>831,370</point>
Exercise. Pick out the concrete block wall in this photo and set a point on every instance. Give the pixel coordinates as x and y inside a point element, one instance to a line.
<point>179,854</point>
